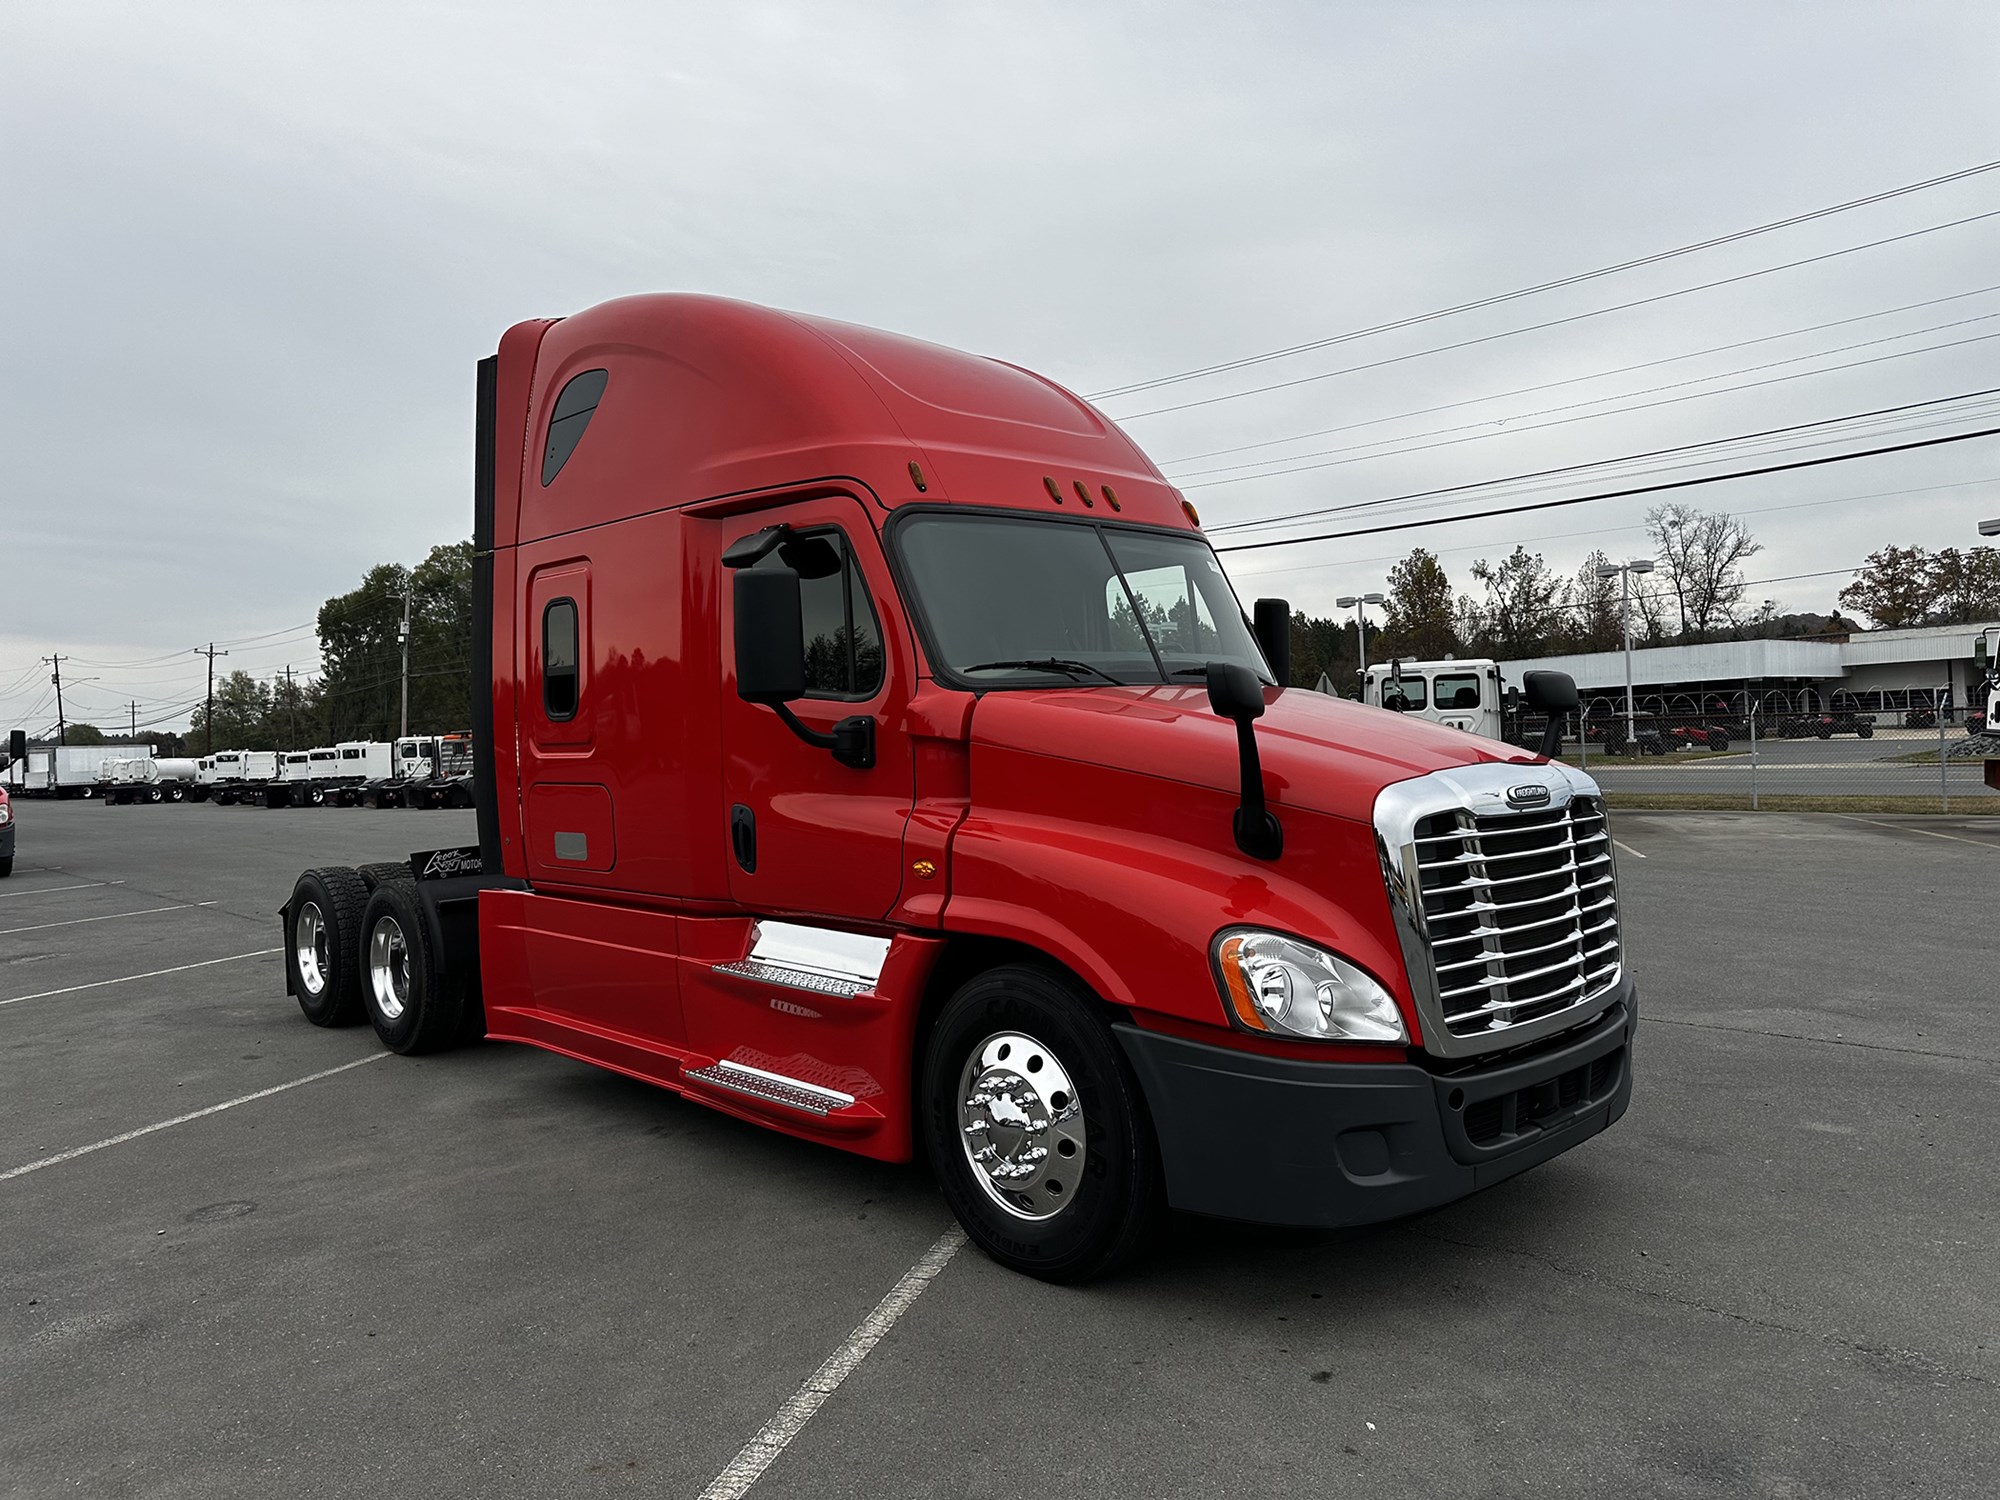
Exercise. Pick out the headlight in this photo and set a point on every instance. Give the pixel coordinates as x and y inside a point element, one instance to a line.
<point>1283,987</point>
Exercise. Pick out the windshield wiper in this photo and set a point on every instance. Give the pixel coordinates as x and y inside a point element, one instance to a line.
<point>1047,664</point>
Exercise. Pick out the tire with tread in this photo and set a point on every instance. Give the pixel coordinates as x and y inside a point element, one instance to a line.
<point>1119,1207</point>
<point>431,1006</point>
<point>6,867</point>
<point>340,897</point>
<point>388,869</point>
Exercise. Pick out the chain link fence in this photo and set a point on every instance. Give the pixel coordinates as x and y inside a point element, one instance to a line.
<point>1752,748</point>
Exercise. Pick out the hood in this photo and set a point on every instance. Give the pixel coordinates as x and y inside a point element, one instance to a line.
<point>1319,753</point>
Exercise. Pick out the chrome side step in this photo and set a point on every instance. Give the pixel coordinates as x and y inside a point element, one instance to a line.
<point>773,1088</point>
<point>819,960</point>
<point>794,979</point>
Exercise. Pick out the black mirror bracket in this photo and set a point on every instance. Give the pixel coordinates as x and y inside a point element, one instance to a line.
<point>1234,693</point>
<point>1258,833</point>
<point>852,741</point>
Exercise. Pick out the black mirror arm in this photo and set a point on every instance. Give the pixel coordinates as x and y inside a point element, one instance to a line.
<point>852,740</point>
<point>1258,833</point>
<point>1552,736</point>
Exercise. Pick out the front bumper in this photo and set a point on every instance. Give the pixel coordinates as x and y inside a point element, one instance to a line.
<point>1272,1141</point>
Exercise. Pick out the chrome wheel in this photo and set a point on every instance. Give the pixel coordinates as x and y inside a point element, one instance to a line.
<point>389,968</point>
<point>1021,1126</point>
<point>309,948</point>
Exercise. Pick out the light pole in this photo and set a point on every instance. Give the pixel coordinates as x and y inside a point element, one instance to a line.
<point>1624,571</point>
<point>1355,603</point>
<point>1989,528</point>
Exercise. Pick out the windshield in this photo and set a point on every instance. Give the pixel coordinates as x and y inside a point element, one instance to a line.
<point>1025,601</point>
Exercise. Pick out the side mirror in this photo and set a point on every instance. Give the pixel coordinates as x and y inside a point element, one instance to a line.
<point>1271,622</point>
<point>1554,694</point>
<point>770,637</point>
<point>771,662</point>
<point>1235,693</point>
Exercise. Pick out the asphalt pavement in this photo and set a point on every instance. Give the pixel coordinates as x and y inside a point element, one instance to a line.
<point>496,1272</point>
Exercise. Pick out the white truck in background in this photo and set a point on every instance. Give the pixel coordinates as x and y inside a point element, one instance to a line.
<point>68,770</point>
<point>1459,694</point>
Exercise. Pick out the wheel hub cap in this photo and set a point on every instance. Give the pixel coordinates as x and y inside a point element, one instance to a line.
<point>309,946</point>
<point>389,968</point>
<point>1021,1126</point>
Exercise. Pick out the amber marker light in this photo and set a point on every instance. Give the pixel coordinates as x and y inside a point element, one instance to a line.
<point>1054,489</point>
<point>1111,498</point>
<point>1083,494</point>
<point>1193,515</point>
<point>917,476</point>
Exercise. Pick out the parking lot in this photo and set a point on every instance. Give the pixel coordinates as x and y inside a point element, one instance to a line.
<point>496,1272</point>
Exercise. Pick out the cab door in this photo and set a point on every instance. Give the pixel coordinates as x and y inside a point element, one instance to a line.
<point>807,834</point>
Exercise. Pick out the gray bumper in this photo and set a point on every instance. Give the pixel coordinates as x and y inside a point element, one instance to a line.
<point>1274,1141</point>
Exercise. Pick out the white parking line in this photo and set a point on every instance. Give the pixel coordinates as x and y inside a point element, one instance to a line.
<point>113,917</point>
<point>98,984</point>
<point>1628,848</point>
<point>761,1451</point>
<point>50,890</point>
<point>1926,832</point>
<point>214,1109</point>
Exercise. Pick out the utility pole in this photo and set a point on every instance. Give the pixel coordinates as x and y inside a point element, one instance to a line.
<point>406,663</point>
<point>1625,570</point>
<point>292,701</point>
<point>208,722</point>
<point>61,725</point>
<point>134,707</point>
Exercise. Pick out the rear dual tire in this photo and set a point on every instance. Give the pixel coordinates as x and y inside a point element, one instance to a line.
<point>322,944</point>
<point>412,1006</point>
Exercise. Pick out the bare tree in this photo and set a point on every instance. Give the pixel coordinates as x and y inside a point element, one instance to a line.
<point>1522,613</point>
<point>1702,553</point>
<point>1594,604</point>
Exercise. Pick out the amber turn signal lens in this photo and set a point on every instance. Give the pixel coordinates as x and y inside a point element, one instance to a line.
<point>1240,1001</point>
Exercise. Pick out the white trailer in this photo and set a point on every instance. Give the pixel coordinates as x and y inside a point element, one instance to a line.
<point>141,778</point>
<point>73,770</point>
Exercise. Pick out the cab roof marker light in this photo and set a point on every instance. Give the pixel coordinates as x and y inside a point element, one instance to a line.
<point>1111,498</point>
<point>917,476</point>
<point>1054,489</point>
<point>1193,515</point>
<point>1083,494</point>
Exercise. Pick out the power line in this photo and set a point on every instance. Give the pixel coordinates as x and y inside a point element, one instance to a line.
<point>1549,385</point>
<point>1600,463</point>
<point>1507,333</point>
<point>1546,286</point>
<point>1509,431</point>
<point>1647,489</point>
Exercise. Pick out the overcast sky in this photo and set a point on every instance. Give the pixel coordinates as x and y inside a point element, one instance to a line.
<point>251,253</point>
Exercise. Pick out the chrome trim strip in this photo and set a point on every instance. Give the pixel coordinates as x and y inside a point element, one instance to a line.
<point>1481,792</point>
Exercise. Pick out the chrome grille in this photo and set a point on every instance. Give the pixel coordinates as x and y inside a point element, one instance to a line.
<point>1520,912</point>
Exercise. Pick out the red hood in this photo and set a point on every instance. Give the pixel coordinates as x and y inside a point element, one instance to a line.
<point>1319,753</point>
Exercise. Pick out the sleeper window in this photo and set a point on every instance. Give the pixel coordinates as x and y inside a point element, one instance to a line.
<point>572,413</point>
<point>559,660</point>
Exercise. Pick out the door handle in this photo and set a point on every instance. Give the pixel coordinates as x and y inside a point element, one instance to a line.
<point>743,837</point>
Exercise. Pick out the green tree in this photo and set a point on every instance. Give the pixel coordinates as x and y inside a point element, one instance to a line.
<point>1522,612</point>
<point>1418,619</point>
<point>361,658</point>
<point>1593,621</point>
<point>83,734</point>
<point>1895,587</point>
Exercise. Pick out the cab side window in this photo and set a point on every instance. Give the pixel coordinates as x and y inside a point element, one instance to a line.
<point>842,636</point>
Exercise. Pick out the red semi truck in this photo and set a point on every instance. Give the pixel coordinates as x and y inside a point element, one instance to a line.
<point>876,751</point>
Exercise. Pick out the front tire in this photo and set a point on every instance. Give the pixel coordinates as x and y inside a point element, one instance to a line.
<point>1036,1128</point>
<point>412,1007</point>
<point>322,941</point>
